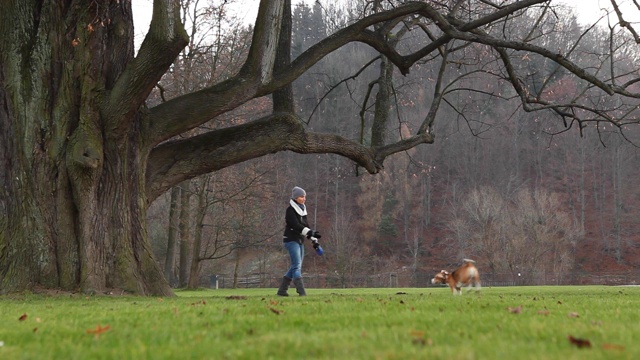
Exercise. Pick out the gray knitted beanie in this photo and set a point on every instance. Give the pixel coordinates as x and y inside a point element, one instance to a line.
<point>297,192</point>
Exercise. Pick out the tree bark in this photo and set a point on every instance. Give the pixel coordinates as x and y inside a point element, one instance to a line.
<point>73,198</point>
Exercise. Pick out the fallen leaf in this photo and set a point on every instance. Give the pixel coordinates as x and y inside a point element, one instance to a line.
<point>273,302</point>
<point>419,341</point>
<point>515,310</point>
<point>544,312</point>
<point>35,329</point>
<point>275,311</point>
<point>574,315</point>
<point>23,317</point>
<point>612,347</point>
<point>418,338</point>
<point>99,330</point>
<point>581,343</point>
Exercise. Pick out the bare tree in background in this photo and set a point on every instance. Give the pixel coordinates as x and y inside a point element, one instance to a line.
<point>522,235</point>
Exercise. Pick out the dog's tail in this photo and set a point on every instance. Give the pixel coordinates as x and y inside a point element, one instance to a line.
<point>469,261</point>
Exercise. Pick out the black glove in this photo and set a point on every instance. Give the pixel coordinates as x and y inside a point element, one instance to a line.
<point>316,245</point>
<point>314,234</point>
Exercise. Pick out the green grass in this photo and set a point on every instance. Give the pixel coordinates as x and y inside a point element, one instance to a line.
<point>328,324</point>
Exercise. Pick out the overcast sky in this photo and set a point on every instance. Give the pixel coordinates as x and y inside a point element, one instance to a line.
<point>588,11</point>
<point>591,10</point>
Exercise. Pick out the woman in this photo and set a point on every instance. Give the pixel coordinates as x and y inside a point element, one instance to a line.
<point>296,230</point>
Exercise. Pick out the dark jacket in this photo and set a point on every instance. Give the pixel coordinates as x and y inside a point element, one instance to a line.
<point>297,227</point>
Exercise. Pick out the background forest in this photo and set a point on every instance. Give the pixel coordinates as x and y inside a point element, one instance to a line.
<point>531,202</point>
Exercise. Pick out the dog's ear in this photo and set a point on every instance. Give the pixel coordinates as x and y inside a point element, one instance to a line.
<point>444,272</point>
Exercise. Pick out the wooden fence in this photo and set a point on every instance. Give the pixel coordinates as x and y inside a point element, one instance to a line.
<point>405,279</point>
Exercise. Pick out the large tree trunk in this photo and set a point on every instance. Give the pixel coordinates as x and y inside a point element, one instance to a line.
<point>70,185</point>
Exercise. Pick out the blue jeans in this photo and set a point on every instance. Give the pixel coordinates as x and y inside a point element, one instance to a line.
<point>296,253</point>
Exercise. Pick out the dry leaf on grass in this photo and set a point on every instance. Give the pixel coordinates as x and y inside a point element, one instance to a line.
<point>275,311</point>
<point>515,310</point>
<point>612,347</point>
<point>23,317</point>
<point>581,343</point>
<point>419,338</point>
<point>99,330</point>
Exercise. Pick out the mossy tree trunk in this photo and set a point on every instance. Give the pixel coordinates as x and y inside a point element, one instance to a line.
<point>73,150</point>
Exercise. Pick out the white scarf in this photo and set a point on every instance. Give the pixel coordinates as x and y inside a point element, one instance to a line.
<point>297,208</point>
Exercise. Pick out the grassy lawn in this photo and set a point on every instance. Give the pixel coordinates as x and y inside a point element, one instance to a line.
<point>497,323</point>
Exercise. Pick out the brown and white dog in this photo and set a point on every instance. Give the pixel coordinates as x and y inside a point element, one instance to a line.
<point>466,275</point>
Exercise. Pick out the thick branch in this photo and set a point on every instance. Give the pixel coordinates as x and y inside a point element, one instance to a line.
<point>186,112</point>
<point>262,54</point>
<point>176,161</point>
<point>164,41</point>
<point>283,97</point>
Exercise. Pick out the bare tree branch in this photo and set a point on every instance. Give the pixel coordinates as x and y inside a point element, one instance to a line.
<point>625,24</point>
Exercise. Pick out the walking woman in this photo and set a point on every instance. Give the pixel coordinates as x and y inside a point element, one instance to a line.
<point>295,232</point>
